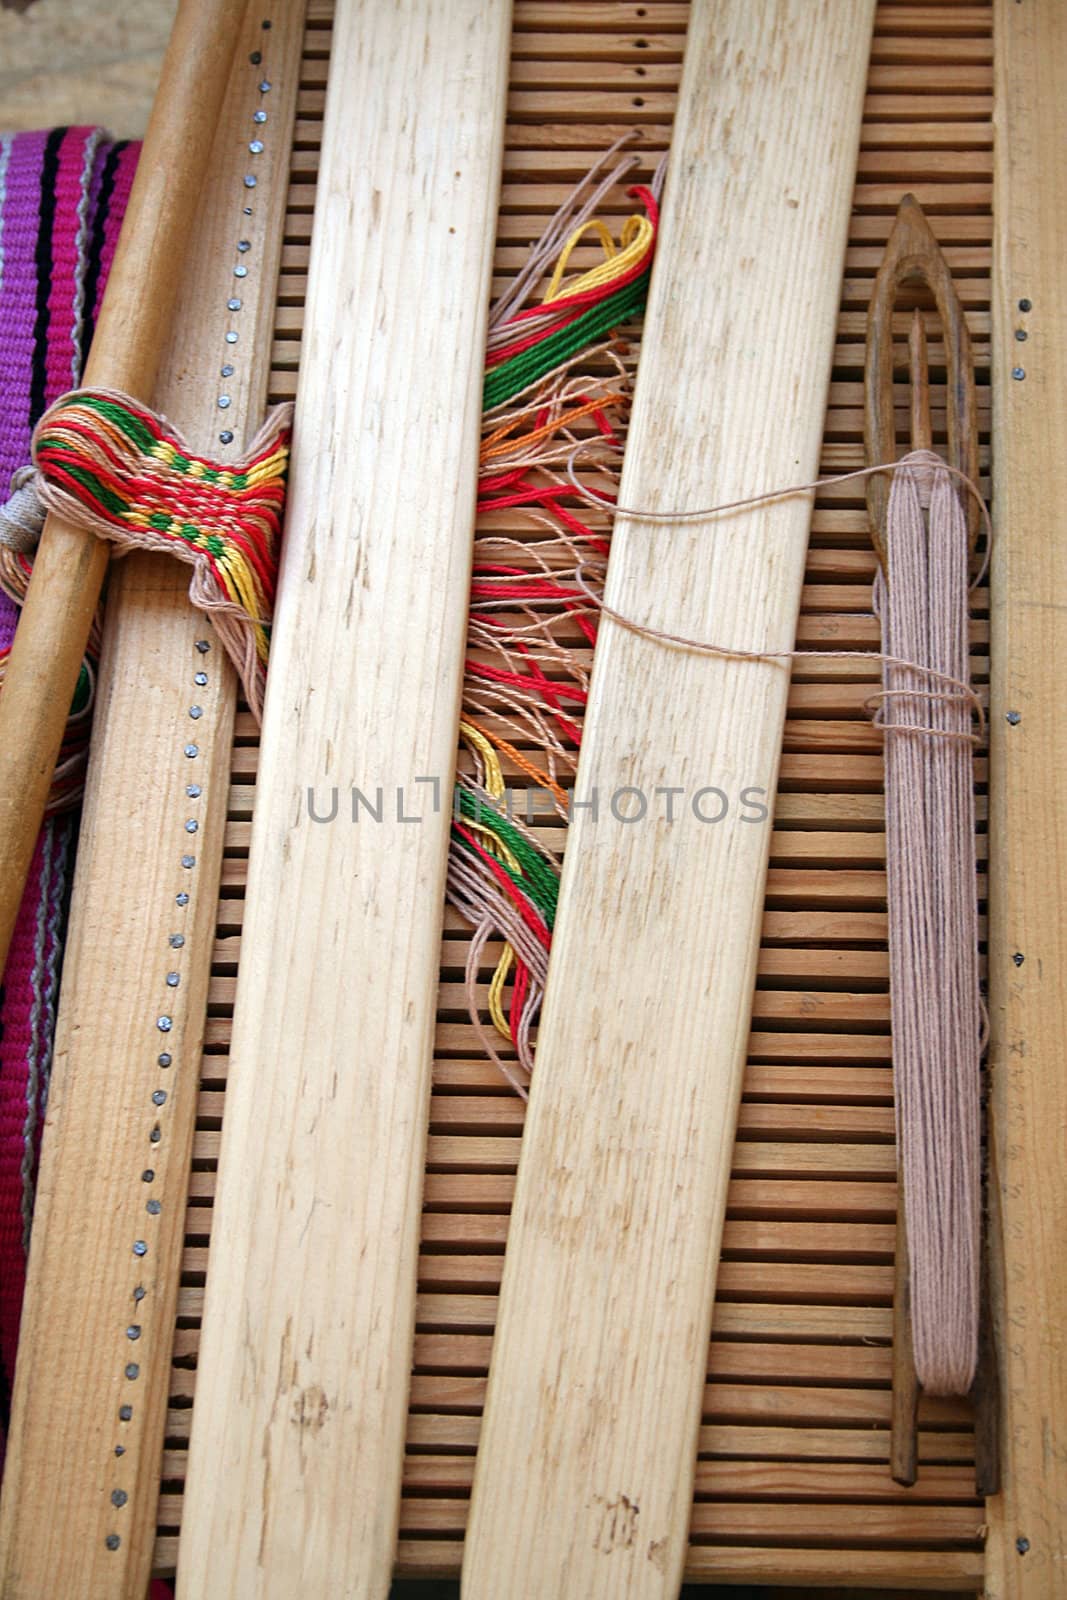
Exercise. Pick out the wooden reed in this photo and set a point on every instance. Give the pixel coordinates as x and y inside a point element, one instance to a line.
<point>797,1409</point>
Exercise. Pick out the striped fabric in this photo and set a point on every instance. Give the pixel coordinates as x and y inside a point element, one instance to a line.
<point>62,198</point>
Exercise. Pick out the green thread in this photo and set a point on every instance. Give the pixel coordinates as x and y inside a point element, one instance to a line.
<point>535,876</point>
<point>529,365</point>
<point>123,419</point>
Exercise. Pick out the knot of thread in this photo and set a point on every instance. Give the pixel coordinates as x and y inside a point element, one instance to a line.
<point>112,466</point>
<point>22,518</point>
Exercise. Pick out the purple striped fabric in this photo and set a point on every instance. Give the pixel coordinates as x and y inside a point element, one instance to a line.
<point>62,196</point>
<point>19,217</point>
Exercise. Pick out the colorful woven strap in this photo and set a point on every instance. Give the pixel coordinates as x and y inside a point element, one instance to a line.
<point>113,466</point>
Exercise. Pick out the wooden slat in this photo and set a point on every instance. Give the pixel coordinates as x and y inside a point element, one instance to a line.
<point>894,1569</point>
<point>730,1441</point>
<point>748,1403</point>
<point>855,1198</point>
<point>297,1451</point>
<point>586,1456</point>
<point>83,1459</point>
<point>898,1572</point>
<point>1028,818</point>
<point>728,1520</point>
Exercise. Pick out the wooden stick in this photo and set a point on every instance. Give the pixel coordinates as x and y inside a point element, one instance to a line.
<point>63,1468</point>
<point>46,655</point>
<point>985,1393</point>
<point>586,1461</point>
<point>904,1434</point>
<point>298,1439</point>
<point>1027,1548</point>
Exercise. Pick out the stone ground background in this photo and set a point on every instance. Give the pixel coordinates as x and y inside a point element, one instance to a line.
<point>81,61</point>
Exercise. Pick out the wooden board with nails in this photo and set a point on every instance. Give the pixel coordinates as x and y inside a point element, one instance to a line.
<point>1028,824</point>
<point>82,1473</point>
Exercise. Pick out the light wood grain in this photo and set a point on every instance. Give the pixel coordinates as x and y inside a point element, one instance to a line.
<point>734,1443</point>
<point>1028,810</point>
<point>585,1466</point>
<point>865,1525</point>
<point>63,1473</point>
<point>297,1447</point>
<point>49,644</point>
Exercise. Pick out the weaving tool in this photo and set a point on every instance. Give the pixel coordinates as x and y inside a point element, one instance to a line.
<point>912,255</point>
<point>913,258</point>
<point>792,1481</point>
<point>37,207</point>
<point>297,1452</point>
<point>1027,1547</point>
<point>81,1484</point>
<point>796,1409</point>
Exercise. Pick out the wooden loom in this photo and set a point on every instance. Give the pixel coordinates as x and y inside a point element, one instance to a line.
<point>792,1482</point>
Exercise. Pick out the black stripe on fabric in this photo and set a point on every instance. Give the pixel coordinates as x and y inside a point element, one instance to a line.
<point>97,241</point>
<point>43,262</point>
<point>5,1401</point>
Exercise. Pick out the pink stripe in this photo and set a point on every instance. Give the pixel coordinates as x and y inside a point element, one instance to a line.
<point>15,1037</point>
<point>70,175</point>
<point>18,309</point>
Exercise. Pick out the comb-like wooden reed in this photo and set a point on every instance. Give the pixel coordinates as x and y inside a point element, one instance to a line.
<point>792,1476</point>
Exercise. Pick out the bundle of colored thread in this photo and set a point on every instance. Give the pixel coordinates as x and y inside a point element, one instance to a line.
<point>557,375</point>
<point>108,464</point>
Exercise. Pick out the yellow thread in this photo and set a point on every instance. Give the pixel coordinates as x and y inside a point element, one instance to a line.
<point>494,786</point>
<point>269,467</point>
<point>496,993</point>
<point>635,239</point>
<point>248,592</point>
